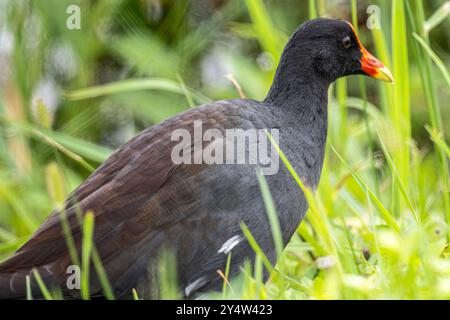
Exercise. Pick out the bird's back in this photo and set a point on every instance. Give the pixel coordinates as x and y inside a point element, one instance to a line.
<point>142,202</point>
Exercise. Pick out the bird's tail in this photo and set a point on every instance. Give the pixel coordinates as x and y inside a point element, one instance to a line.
<point>12,286</point>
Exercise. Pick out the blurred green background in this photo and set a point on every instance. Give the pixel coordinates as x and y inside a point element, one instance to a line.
<point>68,97</point>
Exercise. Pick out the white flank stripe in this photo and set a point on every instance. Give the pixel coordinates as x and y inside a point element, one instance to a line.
<point>230,244</point>
<point>194,285</point>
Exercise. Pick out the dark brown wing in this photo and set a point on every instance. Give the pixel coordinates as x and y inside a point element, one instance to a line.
<point>133,196</point>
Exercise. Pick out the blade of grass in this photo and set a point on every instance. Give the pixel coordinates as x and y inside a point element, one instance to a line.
<point>45,292</point>
<point>437,138</point>
<point>101,273</point>
<point>135,294</point>
<point>133,85</point>
<point>318,218</point>
<point>11,245</point>
<point>382,49</point>
<point>28,284</point>
<point>6,236</point>
<point>227,274</point>
<point>28,219</point>
<point>266,31</point>
<point>437,18</point>
<point>272,215</point>
<point>341,96</point>
<point>258,275</point>
<point>256,248</point>
<point>400,113</point>
<point>80,147</point>
<point>416,16</point>
<point>86,251</point>
<point>56,186</point>
<point>71,246</point>
<point>363,92</point>
<point>230,77</point>
<point>308,236</point>
<point>167,276</point>
<point>387,217</point>
<point>187,93</point>
<point>399,179</point>
<point>312,9</point>
<point>437,61</point>
<point>64,150</point>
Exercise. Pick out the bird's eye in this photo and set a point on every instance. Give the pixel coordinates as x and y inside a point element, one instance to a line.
<point>346,43</point>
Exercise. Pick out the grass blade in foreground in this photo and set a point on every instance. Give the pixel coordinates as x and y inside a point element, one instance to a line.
<point>256,248</point>
<point>134,85</point>
<point>385,214</point>
<point>318,219</point>
<point>45,292</point>
<point>28,284</point>
<point>135,294</point>
<point>416,16</point>
<point>272,214</point>
<point>86,250</point>
<point>441,66</point>
<point>101,273</point>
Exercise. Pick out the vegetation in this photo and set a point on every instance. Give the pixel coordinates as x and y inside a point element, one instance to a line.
<point>379,225</point>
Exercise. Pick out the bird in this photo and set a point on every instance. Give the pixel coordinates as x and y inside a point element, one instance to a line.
<point>144,202</point>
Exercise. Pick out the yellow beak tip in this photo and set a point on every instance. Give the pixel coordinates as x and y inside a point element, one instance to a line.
<point>386,75</point>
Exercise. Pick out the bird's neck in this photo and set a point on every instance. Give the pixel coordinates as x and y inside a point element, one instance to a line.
<point>298,85</point>
<point>299,97</point>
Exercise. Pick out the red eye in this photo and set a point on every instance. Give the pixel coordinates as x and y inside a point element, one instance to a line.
<point>346,43</point>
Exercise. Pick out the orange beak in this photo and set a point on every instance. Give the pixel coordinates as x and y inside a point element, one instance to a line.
<point>374,67</point>
<point>371,65</point>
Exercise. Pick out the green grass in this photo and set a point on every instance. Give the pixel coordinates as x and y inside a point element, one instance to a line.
<point>378,226</point>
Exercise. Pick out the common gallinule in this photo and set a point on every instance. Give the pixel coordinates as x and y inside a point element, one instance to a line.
<point>144,199</point>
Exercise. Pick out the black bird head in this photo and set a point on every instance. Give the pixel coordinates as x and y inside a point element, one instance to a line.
<point>337,50</point>
<point>323,50</point>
